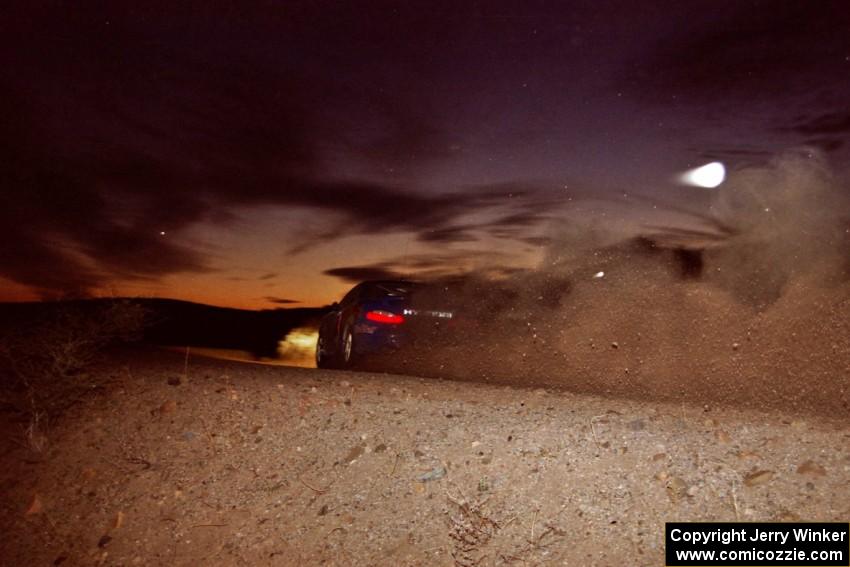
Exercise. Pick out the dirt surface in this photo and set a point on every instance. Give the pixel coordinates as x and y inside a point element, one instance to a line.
<point>239,464</point>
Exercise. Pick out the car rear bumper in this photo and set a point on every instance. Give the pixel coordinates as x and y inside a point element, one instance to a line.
<point>371,339</point>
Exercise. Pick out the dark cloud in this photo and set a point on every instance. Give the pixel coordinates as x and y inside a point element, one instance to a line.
<point>735,156</point>
<point>827,124</point>
<point>752,65</point>
<point>505,271</point>
<point>356,274</point>
<point>515,225</point>
<point>672,236</point>
<point>828,145</point>
<point>537,240</point>
<point>281,300</point>
<point>745,50</point>
<point>112,136</point>
<point>444,260</point>
<point>737,152</point>
<point>526,218</point>
<point>827,131</point>
<point>449,234</point>
<point>429,266</point>
<point>268,276</point>
<point>121,123</point>
<point>404,137</point>
<point>527,209</point>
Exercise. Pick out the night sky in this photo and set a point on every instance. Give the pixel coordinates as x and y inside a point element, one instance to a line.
<point>266,155</point>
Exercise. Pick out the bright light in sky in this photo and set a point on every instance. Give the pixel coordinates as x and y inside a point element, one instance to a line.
<point>709,176</point>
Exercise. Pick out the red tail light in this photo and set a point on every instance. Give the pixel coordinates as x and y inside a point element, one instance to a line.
<point>384,317</point>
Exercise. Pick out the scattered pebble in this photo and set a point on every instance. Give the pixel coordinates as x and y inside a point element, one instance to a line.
<point>756,478</point>
<point>355,453</point>
<point>434,474</point>
<point>811,468</point>
<point>677,489</point>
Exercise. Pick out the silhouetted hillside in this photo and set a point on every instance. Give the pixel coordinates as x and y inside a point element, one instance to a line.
<point>174,322</point>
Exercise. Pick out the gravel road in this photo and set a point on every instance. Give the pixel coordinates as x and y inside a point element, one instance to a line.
<point>242,464</point>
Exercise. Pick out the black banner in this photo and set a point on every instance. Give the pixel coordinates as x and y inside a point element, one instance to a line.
<point>759,544</point>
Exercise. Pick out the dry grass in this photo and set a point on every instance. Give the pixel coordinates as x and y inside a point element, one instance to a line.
<point>471,530</point>
<point>479,538</point>
<point>36,433</point>
<point>45,361</point>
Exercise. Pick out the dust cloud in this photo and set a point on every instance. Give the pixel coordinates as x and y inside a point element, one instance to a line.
<point>298,347</point>
<point>750,307</point>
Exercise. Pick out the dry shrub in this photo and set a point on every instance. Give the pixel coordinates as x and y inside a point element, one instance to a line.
<point>45,360</point>
<point>471,530</point>
<point>478,538</point>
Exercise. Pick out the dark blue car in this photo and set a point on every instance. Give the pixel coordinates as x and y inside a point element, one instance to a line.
<point>380,319</point>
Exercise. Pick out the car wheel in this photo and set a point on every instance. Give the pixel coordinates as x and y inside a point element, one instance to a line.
<point>324,359</point>
<point>346,349</point>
